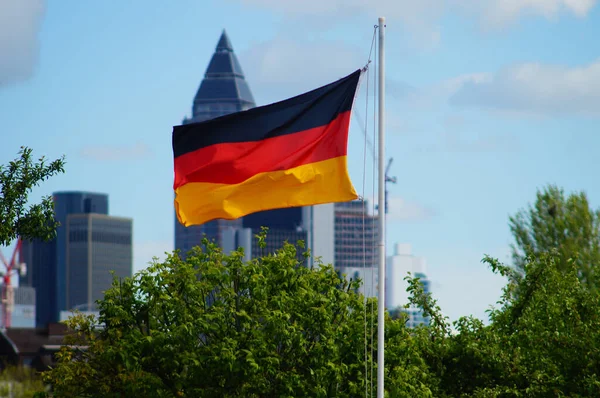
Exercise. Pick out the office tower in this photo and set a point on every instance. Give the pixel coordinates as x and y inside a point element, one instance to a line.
<point>398,267</point>
<point>40,258</point>
<point>234,238</point>
<point>23,309</point>
<point>314,225</point>
<point>328,230</point>
<point>48,261</point>
<point>96,245</point>
<point>223,90</point>
<point>356,244</point>
<point>66,203</point>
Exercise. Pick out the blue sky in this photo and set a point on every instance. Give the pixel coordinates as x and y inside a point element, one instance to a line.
<point>486,104</point>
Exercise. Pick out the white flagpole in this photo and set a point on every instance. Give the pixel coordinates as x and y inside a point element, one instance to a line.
<point>381,217</point>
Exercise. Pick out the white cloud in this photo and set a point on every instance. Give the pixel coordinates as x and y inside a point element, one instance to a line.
<point>143,252</point>
<point>501,12</point>
<point>458,136</point>
<point>535,88</point>
<point>421,17</point>
<point>115,152</point>
<point>281,68</point>
<point>20,23</point>
<point>437,94</point>
<point>408,11</point>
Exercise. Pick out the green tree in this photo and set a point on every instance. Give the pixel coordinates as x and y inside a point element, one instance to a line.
<point>214,326</point>
<point>557,222</point>
<point>541,343</point>
<point>19,382</point>
<point>17,179</point>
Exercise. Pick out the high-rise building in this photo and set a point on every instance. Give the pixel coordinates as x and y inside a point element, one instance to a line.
<point>234,238</point>
<point>49,262</point>
<point>96,245</point>
<point>398,267</point>
<point>356,238</point>
<point>343,234</point>
<point>66,203</point>
<point>23,308</point>
<point>40,258</point>
<point>223,90</point>
<point>314,225</point>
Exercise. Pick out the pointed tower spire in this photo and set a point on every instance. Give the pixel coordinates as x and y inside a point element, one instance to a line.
<point>224,44</point>
<point>224,89</point>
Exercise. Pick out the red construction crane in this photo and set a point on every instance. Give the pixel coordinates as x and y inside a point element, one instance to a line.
<point>15,264</point>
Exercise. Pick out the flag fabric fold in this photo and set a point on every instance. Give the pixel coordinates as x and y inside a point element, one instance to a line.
<point>286,154</point>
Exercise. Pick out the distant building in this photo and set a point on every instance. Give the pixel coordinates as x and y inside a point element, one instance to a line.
<point>332,232</point>
<point>66,203</point>
<point>356,238</point>
<point>23,309</point>
<point>33,347</point>
<point>97,244</point>
<point>40,258</point>
<point>84,309</point>
<point>234,238</point>
<point>223,90</point>
<point>398,267</point>
<point>314,225</point>
<point>55,268</point>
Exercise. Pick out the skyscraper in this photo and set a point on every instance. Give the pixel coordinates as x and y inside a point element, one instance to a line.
<point>66,203</point>
<point>223,90</point>
<point>97,244</point>
<point>332,232</point>
<point>40,258</point>
<point>51,264</point>
<point>398,267</point>
<point>356,238</point>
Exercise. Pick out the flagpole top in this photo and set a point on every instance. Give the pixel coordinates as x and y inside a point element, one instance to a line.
<point>381,20</point>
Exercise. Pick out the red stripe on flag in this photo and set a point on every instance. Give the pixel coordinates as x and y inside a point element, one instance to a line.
<point>233,163</point>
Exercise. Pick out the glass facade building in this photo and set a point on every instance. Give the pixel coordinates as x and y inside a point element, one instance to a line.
<point>223,90</point>
<point>96,245</point>
<point>47,262</point>
<point>23,309</point>
<point>332,232</point>
<point>356,239</point>
<point>356,236</point>
<point>40,258</point>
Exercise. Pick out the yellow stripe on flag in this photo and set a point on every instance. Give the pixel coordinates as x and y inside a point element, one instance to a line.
<point>314,183</point>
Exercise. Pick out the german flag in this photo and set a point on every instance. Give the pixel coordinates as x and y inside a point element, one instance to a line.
<point>286,154</point>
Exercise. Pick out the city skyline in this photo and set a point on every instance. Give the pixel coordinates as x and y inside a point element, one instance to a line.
<point>340,233</point>
<point>485,107</point>
<point>222,90</point>
<point>73,269</point>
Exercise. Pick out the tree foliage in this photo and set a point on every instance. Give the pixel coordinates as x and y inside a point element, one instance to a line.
<point>17,179</point>
<point>214,326</point>
<point>19,382</point>
<point>563,223</point>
